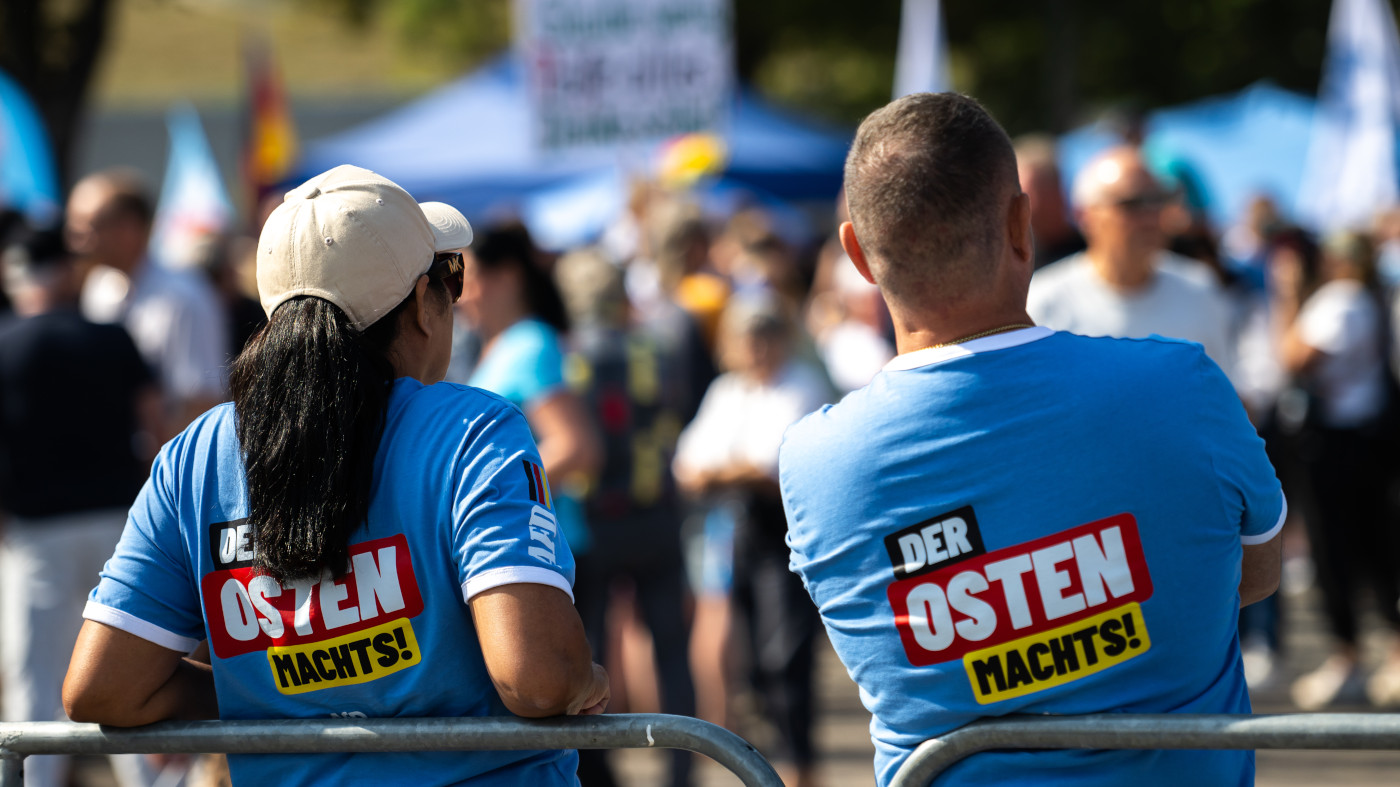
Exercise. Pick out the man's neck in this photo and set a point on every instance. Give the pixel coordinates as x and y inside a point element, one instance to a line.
<point>1126,274</point>
<point>953,326</point>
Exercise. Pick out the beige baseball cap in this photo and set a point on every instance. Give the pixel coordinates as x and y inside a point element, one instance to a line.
<point>353,238</point>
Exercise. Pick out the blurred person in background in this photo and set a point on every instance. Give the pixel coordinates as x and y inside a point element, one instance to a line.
<point>516,310</point>
<point>637,389</point>
<point>853,347</point>
<point>215,258</point>
<point>1038,167</point>
<point>10,221</point>
<point>1125,284</point>
<point>676,270</point>
<point>682,310</point>
<point>1261,382</point>
<point>79,412</point>
<point>1333,341</point>
<point>730,452</point>
<point>1386,234</point>
<point>175,317</point>
<point>1245,244</point>
<point>846,316</point>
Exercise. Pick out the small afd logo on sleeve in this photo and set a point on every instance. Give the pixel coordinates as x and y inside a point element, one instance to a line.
<point>538,484</point>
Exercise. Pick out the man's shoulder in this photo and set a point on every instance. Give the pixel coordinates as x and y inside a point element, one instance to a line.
<point>1154,356</point>
<point>845,426</point>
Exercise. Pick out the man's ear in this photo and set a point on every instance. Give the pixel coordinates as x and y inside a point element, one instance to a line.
<point>847,234</point>
<point>1018,227</point>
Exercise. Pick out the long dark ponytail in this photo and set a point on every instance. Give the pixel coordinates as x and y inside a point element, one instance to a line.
<point>310,393</point>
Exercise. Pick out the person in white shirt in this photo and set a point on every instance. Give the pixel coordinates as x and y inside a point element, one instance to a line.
<point>175,317</point>
<point>1334,346</point>
<point>1125,284</point>
<point>729,455</point>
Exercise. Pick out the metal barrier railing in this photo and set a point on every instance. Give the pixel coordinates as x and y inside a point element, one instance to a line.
<point>1151,731</point>
<point>618,731</point>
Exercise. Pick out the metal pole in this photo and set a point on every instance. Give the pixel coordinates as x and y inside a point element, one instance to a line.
<point>11,769</point>
<point>618,731</point>
<point>1151,731</point>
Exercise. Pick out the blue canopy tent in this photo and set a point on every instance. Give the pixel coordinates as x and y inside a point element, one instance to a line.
<point>1236,146</point>
<point>469,144</point>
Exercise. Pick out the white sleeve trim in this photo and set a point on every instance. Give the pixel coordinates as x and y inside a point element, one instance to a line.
<point>131,624</point>
<point>1264,538</point>
<point>515,575</point>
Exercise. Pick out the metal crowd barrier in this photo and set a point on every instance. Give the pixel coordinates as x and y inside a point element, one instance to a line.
<point>281,736</point>
<point>1151,731</point>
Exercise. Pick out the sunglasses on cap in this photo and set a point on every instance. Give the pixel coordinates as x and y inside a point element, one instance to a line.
<point>451,268</point>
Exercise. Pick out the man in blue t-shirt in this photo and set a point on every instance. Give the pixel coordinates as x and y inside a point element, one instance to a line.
<point>1010,519</point>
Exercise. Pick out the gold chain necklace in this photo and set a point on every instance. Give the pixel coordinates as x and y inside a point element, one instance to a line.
<point>1002,329</point>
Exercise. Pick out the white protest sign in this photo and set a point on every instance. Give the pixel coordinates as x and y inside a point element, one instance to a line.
<point>614,73</point>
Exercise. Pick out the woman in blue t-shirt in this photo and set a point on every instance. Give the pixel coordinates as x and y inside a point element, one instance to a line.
<point>514,305</point>
<point>351,538</point>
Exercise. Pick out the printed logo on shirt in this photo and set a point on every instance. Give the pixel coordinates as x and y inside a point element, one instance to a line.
<point>344,661</point>
<point>1027,617</point>
<point>317,634</point>
<point>935,543</point>
<point>544,528</point>
<point>538,483</point>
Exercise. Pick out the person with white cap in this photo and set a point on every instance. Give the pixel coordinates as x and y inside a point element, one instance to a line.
<point>319,530</point>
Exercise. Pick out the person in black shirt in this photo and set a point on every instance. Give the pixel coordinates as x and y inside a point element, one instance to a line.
<point>76,407</point>
<point>637,380</point>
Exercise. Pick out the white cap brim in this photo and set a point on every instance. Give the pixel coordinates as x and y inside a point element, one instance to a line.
<point>450,227</point>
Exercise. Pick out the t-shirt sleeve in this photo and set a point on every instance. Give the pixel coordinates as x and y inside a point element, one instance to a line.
<point>535,367</point>
<point>504,526</point>
<point>1249,489</point>
<point>146,587</point>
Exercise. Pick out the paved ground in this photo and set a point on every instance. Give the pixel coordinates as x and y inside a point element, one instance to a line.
<point>844,740</point>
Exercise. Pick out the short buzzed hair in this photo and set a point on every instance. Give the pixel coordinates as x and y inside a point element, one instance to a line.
<point>927,182</point>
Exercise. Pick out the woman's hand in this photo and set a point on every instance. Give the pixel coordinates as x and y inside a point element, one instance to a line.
<point>599,693</point>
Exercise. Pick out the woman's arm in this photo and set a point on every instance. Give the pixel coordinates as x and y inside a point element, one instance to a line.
<point>122,680</point>
<point>568,442</point>
<point>536,651</point>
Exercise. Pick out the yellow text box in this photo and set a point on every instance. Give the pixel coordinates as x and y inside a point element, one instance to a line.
<point>1058,656</point>
<point>345,660</point>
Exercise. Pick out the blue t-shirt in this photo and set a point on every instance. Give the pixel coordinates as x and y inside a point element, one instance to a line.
<point>1035,522</point>
<point>525,365</point>
<point>459,505</point>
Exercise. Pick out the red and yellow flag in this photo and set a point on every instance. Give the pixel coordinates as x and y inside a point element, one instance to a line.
<point>270,146</point>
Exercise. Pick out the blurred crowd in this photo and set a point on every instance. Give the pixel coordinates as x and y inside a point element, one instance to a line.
<point>658,370</point>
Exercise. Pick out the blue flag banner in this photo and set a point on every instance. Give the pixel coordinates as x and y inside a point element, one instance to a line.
<point>28,177</point>
<point>1351,166</point>
<point>921,62</point>
<point>194,206</point>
